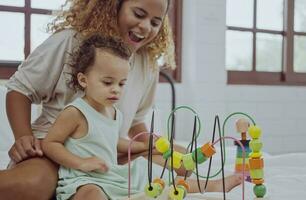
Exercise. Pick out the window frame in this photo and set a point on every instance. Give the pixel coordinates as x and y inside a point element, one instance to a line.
<point>7,68</point>
<point>287,76</point>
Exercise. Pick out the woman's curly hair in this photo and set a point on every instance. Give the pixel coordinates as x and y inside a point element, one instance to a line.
<point>100,16</point>
<point>84,56</point>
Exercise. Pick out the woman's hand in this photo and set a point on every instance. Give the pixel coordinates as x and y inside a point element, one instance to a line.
<point>93,164</point>
<point>25,147</point>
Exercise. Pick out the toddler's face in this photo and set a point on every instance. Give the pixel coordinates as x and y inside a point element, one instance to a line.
<point>104,81</point>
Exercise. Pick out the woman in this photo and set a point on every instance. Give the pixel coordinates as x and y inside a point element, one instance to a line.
<point>42,78</point>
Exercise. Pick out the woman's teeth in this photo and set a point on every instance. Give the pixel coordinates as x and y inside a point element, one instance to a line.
<point>135,37</point>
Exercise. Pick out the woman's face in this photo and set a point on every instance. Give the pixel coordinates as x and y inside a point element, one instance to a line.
<point>139,21</point>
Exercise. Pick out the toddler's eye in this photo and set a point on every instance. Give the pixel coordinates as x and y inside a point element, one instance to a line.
<point>107,83</point>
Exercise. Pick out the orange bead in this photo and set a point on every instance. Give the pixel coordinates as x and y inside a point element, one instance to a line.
<point>182,182</point>
<point>256,163</point>
<point>208,150</point>
<point>160,181</point>
<point>258,181</point>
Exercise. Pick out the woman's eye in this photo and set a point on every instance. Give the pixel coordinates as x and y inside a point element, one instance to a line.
<point>155,24</point>
<point>121,84</point>
<point>138,14</point>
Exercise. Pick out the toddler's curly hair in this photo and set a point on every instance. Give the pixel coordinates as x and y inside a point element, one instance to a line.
<point>84,57</point>
<point>100,16</point>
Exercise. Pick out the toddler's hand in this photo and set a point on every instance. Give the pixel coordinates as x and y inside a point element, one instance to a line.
<point>93,164</point>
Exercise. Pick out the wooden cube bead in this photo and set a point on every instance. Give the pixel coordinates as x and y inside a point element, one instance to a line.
<point>188,162</point>
<point>208,150</point>
<point>256,163</point>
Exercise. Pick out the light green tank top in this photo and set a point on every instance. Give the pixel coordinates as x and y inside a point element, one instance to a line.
<point>101,141</point>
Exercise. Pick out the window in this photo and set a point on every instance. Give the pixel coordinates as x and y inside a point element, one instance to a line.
<point>26,29</point>
<point>266,42</point>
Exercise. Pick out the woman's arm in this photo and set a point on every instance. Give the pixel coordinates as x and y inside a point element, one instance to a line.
<point>18,109</point>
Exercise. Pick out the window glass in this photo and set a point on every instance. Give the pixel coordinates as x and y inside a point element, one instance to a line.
<point>47,4</point>
<point>12,37</point>
<point>270,14</point>
<point>269,52</point>
<point>236,43</point>
<point>19,3</point>
<point>300,15</point>
<point>300,54</point>
<point>239,13</point>
<point>39,29</point>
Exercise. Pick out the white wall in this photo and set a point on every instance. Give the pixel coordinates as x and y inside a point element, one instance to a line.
<point>279,110</point>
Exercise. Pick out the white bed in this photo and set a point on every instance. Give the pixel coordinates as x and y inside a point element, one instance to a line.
<point>285,175</point>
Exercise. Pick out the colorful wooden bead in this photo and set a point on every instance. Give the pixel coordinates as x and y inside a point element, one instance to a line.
<point>183,183</point>
<point>258,181</point>
<point>200,156</point>
<point>239,167</point>
<point>242,125</point>
<point>177,160</point>
<point>167,154</point>
<point>185,190</point>
<point>255,132</point>
<point>256,173</point>
<point>162,144</point>
<point>256,163</point>
<point>188,162</point>
<point>154,190</point>
<point>177,194</point>
<point>255,155</point>
<point>256,145</point>
<point>160,181</point>
<point>208,150</point>
<point>259,190</point>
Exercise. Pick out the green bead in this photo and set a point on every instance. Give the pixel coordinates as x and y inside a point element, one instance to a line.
<point>153,191</point>
<point>259,190</point>
<point>167,154</point>
<point>176,195</point>
<point>188,162</point>
<point>201,157</point>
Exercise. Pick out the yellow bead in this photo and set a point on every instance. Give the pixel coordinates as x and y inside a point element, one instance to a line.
<point>255,145</point>
<point>178,194</point>
<point>177,160</point>
<point>188,162</point>
<point>154,191</point>
<point>257,173</point>
<point>255,132</point>
<point>255,155</point>
<point>162,144</point>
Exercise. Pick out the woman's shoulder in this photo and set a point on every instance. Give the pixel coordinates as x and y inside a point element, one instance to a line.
<point>65,35</point>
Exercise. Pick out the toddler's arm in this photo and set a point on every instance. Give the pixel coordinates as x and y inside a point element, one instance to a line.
<point>136,147</point>
<point>53,145</point>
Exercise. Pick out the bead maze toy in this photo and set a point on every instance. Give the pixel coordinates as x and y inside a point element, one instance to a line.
<point>248,164</point>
